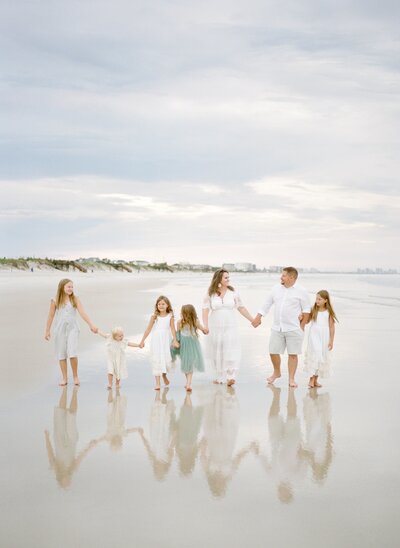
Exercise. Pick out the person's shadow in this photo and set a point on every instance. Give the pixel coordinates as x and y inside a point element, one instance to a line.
<point>219,458</point>
<point>63,457</point>
<point>318,439</point>
<point>286,462</point>
<point>160,443</point>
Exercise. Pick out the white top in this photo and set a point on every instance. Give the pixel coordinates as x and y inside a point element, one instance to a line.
<point>229,301</point>
<point>289,303</point>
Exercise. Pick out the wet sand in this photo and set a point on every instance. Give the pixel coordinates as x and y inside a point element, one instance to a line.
<point>235,467</point>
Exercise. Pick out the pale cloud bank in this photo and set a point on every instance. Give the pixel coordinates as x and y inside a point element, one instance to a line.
<point>210,132</point>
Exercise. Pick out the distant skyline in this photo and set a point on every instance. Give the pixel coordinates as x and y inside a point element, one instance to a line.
<point>212,132</point>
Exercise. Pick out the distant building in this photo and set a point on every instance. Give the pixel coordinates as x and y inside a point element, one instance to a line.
<point>245,267</point>
<point>229,266</point>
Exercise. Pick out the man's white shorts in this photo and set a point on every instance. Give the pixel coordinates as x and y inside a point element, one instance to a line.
<point>292,341</point>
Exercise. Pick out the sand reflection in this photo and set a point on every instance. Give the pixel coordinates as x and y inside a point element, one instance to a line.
<point>318,439</point>
<point>63,457</point>
<point>161,443</point>
<point>188,428</point>
<point>285,462</point>
<point>219,457</point>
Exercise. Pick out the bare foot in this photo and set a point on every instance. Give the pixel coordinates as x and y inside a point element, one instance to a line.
<point>188,389</point>
<point>76,381</point>
<point>317,385</point>
<point>157,388</point>
<point>217,382</point>
<point>272,378</point>
<point>109,387</point>
<point>231,382</point>
<point>165,379</point>
<point>293,384</point>
<point>310,385</point>
<point>63,383</point>
<point>117,385</point>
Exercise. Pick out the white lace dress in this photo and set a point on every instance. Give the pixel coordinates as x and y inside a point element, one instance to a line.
<point>160,345</point>
<point>116,357</point>
<point>317,359</point>
<point>222,346</point>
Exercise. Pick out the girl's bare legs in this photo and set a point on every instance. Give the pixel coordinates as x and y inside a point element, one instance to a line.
<point>63,367</point>
<point>157,378</point>
<point>189,377</point>
<point>316,383</point>
<point>110,381</point>
<point>292,366</point>
<point>165,379</point>
<point>74,366</point>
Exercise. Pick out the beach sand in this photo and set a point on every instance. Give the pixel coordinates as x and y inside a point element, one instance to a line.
<point>249,466</point>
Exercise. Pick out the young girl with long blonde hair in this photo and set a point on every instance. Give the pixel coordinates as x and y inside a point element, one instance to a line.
<point>320,338</point>
<point>64,309</point>
<point>188,338</point>
<point>163,333</point>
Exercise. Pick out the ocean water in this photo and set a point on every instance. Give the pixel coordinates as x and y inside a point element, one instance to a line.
<point>245,466</point>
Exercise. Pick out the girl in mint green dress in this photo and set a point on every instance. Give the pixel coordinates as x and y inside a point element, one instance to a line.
<point>189,346</point>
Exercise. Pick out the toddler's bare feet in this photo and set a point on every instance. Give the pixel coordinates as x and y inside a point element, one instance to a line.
<point>317,385</point>
<point>165,379</point>
<point>292,383</point>
<point>231,382</point>
<point>272,378</point>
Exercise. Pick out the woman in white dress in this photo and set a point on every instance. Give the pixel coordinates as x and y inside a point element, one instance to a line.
<point>219,320</point>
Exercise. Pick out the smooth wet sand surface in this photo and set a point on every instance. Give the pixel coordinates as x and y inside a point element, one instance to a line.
<point>243,467</point>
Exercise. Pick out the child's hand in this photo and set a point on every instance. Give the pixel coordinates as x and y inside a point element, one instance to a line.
<point>94,329</point>
<point>301,317</point>
<point>141,344</point>
<point>47,335</point>
<point>206,331</point>
<point>175,344</point>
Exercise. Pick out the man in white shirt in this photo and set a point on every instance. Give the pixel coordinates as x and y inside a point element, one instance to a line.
<point>291,303</point>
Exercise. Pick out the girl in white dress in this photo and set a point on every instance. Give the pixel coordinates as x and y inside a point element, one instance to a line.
<point>320,339</point>
<point>65,309</point>
<point>219,319</point>
<point>116,345</point>
<point>163,333</point>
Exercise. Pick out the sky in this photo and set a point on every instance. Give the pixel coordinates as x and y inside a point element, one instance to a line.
<point>217,131</point>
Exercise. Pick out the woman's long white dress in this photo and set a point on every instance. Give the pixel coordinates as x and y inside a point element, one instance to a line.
<point>222,346</point>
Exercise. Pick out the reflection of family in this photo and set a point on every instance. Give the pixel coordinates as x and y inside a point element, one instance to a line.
<point>292,311</point>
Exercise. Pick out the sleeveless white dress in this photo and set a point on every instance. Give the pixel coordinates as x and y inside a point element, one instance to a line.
<point>160,346</point>
<point>222,345</point>
<point>317,357</point>
<point>66,332</point>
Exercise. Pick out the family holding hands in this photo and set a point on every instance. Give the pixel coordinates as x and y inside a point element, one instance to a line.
<point>292,311</point>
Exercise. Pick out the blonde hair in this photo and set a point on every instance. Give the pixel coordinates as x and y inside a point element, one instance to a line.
<point>216,280</point>
<point>314,311</point>
<point>189,318</point>
<point>116,331</point>
<point>167,302</point>
<point>60,297</point>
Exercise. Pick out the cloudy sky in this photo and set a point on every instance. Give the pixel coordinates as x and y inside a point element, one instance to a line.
<point>213,131</point>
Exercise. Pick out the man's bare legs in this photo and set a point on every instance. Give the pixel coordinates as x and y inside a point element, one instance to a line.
<point>276,362</point>
<point>292,366</point>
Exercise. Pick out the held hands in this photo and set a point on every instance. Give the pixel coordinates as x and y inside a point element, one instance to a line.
<point>94,329</point>
<point>141,344</point>
<point>175,344</point>
<point>206,331</point>
<point>256,322</point>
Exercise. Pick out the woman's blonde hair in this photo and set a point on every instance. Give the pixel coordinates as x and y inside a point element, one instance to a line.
<point>116,331</point>
<point>167,302</point>
<point>189,318</point>
<point>60,297</point>
<point>314,311</point>
<point>216,280</point>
